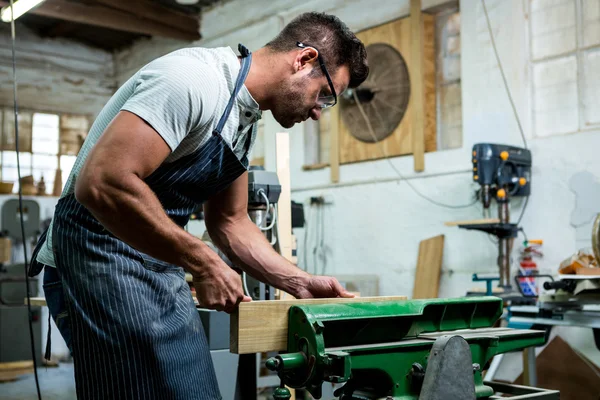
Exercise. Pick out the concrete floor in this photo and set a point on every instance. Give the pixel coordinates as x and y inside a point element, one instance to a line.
<point>55,383</point>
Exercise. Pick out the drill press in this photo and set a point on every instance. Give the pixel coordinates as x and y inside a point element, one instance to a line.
<point>503,172</point>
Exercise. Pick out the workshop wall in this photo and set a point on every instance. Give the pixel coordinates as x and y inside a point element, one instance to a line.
<point>55,75</point>
<point>373,224</point>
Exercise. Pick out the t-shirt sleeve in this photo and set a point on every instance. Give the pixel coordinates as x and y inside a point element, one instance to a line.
<point>175,95</point>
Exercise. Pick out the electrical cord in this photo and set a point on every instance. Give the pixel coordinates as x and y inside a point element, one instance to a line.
<point>402,177</point>
<point>510,98</point>
<point>245,283</point>
<point>273,213</point>
<point>523,210</point>
<point>16,110</point>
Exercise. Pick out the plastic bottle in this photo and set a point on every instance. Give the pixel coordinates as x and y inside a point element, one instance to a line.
<point>528,267</point>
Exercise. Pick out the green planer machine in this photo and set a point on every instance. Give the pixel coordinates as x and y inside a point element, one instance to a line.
<point>421,349</point>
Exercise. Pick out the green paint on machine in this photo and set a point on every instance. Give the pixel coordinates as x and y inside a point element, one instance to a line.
<point>381,349</point>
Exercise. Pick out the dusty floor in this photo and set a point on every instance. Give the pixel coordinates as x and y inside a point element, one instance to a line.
<point>55,384</point>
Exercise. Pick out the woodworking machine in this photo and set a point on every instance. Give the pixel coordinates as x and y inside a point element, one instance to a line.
<point>503,172</point>
<point>419,349</point>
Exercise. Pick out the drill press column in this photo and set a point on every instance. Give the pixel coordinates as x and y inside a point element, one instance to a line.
<point>504,243</point>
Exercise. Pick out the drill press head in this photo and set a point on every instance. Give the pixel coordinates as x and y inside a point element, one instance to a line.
<point>502,171</point>
<point>262,186</point>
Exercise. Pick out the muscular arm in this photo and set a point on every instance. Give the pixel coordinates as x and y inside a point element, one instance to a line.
<point>227,221</point>
<point>111,186</point>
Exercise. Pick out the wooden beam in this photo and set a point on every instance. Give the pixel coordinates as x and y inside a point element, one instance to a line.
<point>417,86</point>
<point>429,267</point>
<point>155,12</point>
<point>334,148</point>
<point>105,17</point>
<point>8,366</point>
<point>284,206</point>
<point>262,326</point>
<point>61,28</point>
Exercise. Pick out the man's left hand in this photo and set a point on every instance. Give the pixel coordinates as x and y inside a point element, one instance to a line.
<point>321,287</point>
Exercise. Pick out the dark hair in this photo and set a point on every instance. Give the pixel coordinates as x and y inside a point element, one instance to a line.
<point>336,43</point>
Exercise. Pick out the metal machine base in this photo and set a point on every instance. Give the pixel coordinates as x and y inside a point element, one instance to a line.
<point>523,392</point>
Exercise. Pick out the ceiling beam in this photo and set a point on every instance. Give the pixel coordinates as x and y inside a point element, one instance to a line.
<point>155,12</point>
<point>61,28</point>
<point>100,15</point>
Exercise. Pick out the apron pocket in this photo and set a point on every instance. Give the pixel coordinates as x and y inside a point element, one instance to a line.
<point>55,299</point>
<point>157,265</point>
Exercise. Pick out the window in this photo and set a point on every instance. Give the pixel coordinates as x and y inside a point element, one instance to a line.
<point>47,142</point>
<point>448,84</point>
<point>565,54</point>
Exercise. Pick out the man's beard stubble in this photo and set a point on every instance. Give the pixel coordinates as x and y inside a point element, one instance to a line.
<point>290,106</point>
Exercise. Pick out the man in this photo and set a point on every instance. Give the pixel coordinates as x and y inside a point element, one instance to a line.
<point>177,135</point>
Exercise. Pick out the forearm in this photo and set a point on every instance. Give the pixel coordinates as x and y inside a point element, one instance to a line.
<point>130,210</point>
<point>247,247</point>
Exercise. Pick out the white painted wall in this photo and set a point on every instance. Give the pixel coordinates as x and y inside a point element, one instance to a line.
<point>375,223</point>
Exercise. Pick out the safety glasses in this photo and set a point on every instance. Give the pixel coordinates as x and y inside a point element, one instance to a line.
<point>323,101</point>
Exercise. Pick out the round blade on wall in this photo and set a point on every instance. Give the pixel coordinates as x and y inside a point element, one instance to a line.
<point>383,95</point>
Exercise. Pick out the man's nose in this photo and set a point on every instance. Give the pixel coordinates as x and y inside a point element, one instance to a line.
<point>315,113</point>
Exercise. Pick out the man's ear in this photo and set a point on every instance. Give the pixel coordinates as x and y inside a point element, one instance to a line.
<point>306,58</point>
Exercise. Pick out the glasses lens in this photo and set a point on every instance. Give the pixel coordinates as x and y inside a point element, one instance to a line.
<point>326,101</point>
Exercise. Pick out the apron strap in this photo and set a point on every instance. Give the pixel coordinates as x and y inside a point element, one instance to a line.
<point>245,67</point>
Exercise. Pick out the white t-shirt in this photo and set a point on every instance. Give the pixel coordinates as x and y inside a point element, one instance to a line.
<point>182,95</point>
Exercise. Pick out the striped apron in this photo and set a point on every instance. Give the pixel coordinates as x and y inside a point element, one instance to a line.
<point>128,318</point>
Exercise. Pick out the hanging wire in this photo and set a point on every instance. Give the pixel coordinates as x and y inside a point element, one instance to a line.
<point>508,93</point>
<point>400,175</point>
<point>16,111</point>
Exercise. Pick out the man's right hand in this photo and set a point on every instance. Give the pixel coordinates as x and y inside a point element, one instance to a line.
<point>219,287</point>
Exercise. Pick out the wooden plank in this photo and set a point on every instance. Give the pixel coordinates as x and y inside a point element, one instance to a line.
<point>429,74</point>
<point>156,12</point>
<point>417,87</point>
<point>15,365</point>
<point>99,15</point>
<point>262,326</point>
<point>11,371</point>
<point>313,167</point>
<point>39,91</point>
<point>36,301</point>
<point>473,222</point>
<point>284,206</point>
<point>334,148</point>
<point>429,266</point>
<point>398,35</point>
<point>29,41</point>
